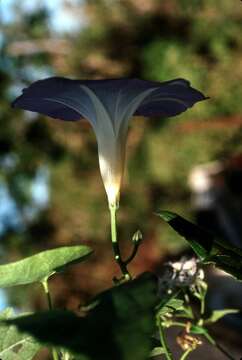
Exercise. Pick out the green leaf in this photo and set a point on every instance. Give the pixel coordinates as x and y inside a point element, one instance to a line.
<point>119,326</point>
<point>42,265</point>
<point>200,240</point>
<point>225,247</point>
<point>219,314</point>
<point>209,249</point>
<point>13,344</point>
<point>171,306</point>
<point>157,351</point>
<point>199,330</point>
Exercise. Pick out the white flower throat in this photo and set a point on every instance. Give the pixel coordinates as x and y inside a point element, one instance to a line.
<point>111,132</point>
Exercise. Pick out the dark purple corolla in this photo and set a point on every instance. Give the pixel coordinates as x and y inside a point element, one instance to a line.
<point>108,105</point>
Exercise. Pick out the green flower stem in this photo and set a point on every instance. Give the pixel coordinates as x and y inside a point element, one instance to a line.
<point>185,354</point>
<point>47,293</point>
<point>203,298</point>
<point>164,344</point>
<point>202,310</point>
<point>134,252</point>
<point>122,264</point>
<point>178,323</point>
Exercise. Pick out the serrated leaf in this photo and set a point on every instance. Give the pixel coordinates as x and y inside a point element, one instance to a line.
<point>13,344</point>
<point>42,265</point>
<point>200,240</point>
<point>119,327</point>
<point>219,314</point>
<point>171,306</point>
<point>209,249</point>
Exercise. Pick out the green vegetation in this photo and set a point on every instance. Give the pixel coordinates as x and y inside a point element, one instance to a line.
<point>163,40</point>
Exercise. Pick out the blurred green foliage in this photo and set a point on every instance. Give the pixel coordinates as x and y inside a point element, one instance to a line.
<point>160,40</point>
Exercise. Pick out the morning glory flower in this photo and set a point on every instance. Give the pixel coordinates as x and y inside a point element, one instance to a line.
<point>108,105</point>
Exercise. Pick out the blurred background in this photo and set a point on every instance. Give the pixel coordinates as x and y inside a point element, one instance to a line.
<point>51,192</point>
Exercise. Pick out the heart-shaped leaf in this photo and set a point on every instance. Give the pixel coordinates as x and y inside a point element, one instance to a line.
<point>42,265</point>
<point>119,326</point>
<point>13,344</point>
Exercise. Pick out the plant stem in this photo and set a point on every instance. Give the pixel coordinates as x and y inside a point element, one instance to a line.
<point>202,306</point>
<point>185,354</point>
<point>122,264</point>
<point>47,293</point>
<point>164,344</point>
<point>203,298</point>
<point>134,252</point>
<point>178,323</point>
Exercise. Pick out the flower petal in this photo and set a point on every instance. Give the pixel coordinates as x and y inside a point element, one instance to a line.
<point>170,99</point>
<point>38,97</point>
<point>62,98</point>
<point>108,105</point>
<point>111,147</point>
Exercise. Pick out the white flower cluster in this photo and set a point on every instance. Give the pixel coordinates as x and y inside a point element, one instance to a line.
<point>183,273</point>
